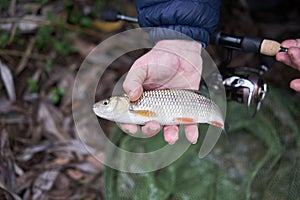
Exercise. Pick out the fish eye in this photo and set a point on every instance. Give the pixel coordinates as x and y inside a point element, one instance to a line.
<point>106,102</point>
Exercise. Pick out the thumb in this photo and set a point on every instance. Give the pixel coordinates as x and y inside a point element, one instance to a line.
<point>133,83</point>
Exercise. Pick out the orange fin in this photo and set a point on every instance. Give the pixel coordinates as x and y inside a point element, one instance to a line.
<point>217,124</point>
<point>145,113</point>
<point>185,120</point>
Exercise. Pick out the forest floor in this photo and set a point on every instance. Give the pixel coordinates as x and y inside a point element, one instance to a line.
<point>42,46</point>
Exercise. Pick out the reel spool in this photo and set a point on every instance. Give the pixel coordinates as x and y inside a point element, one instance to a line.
<point>245,85</point>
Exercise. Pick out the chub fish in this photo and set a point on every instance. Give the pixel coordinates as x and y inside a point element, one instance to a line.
<point>167,107</point>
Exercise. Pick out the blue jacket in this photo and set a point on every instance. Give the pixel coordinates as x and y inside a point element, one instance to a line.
<point>194,18</point>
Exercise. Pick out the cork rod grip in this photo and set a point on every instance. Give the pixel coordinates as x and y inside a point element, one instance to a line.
<point>269,47</point>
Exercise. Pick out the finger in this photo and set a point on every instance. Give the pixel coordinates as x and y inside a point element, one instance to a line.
<point>284,57</point>
<point>133,83</point>
<point>295,85</point>
<point>171,134</point>
<point>191,133</point>
<point>129,128</point>
<point>151,128</point>
<point>287,58</point>
<point>291,43</point>
<point>295,57</point>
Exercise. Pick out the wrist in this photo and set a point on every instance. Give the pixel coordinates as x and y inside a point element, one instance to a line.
<point>176,45</point>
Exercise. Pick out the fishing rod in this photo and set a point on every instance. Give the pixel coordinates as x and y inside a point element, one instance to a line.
<point>242,84</point>
<point>112,15</point>
<point>248,44</point>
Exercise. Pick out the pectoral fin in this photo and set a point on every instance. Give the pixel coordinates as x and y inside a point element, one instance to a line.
<point>144,113</point>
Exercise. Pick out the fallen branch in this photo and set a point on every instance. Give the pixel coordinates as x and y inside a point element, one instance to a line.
<point>4,52</point>
<point>41,22</point>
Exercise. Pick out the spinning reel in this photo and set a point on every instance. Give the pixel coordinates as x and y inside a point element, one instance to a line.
<point>245,86</point>
<point>242,84</point>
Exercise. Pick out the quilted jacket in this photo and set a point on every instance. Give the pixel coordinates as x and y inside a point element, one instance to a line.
<point>194,18</point>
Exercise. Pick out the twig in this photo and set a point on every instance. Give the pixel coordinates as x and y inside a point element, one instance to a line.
<point>14,120</point>
<point>52,23</point>
<point>12,8</point>
<point>13,31</point>
<point>18,19</point>
<point>12,12</point>
<point>6,57</point>
<point>5,52</point>
<point>26,56</point>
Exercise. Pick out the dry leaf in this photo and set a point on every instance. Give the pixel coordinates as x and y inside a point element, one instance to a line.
<point>61,161</point>
<point>27,24</point>
<point>6,106</point>
<point>7,78</point>
<point>6,195</point>
<point>7,171</point>
<point>50,123</point>
<point>29,152</point>
<point>75,174</point>
<point>44,183</point>
<point>72,146</point>
<point>85,167</point>
<point>24,181</point>
<point>96,162</point>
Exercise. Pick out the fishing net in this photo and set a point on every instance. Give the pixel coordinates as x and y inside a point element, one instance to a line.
<point>259,161</point>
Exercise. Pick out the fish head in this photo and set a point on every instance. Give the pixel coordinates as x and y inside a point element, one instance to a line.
<point>112,107</point>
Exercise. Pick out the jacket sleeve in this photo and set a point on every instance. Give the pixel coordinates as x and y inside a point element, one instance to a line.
<point>194,18</point>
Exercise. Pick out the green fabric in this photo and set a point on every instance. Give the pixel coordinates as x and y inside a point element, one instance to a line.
<point>260,161</point>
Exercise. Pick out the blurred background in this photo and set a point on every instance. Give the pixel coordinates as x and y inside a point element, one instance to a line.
<point>42,45</point>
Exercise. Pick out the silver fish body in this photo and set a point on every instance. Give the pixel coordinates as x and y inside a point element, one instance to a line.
<point>167,107</point>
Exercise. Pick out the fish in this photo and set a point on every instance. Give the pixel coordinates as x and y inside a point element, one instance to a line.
<point>167,107</point>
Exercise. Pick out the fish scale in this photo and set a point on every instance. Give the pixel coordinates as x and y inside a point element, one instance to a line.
<point>175,100</point>
<point>168,107</point>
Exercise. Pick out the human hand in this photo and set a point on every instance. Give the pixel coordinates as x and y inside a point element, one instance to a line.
<point>292,58</point>
<point>170,64</point>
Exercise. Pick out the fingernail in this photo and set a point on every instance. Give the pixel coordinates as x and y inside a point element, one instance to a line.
<point>194,142</point>
<point>192,137</point>
<point>171,143</point>
<point>191,133</point>
<point>131,94</point>
<point>135,94</point>
<point>130,129</point>
<point>171,139</point>
<point>150,131</point>
<point>171,135</point>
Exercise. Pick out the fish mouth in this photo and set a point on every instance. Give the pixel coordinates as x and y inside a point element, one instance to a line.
<point>95,108</point>
<point>95,105</point>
